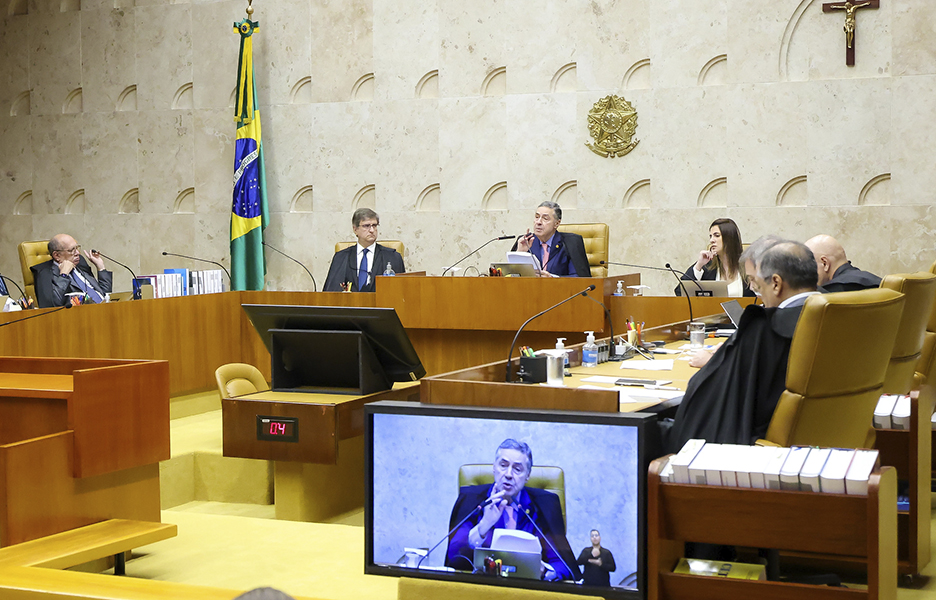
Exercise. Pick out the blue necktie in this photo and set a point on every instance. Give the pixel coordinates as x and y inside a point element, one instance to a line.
<point>362,272</point>
<point>84,286</point>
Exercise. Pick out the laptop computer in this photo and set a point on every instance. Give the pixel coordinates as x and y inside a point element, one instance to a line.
<point>734,311</point>
<point>515,269</point>
<point>514,563</point>
<point>718,289</point>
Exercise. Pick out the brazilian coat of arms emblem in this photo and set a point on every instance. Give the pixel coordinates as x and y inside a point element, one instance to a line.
<point>612,122</point>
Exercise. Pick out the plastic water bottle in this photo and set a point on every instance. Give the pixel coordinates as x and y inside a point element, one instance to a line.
<point>590,351</point>
<point>389,272</point>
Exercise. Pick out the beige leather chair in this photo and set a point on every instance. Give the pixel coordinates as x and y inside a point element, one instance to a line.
<point>393,244</point>
<point>919,290</point>
<point>239,379</point>
<point>595,236</point>
<point>31,254</point>
<point>551,479</point>
<point>838,359</point>
<point>926,366</point>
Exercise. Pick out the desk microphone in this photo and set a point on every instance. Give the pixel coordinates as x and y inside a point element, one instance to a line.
<point>548,541</point>
<point>22,293</point>
<point>679,280</point>
<point>613,351</point>
<point>137,293</point>
<point>452,530</point>
<point>503,237</point>
<point>314,285</point>
<point>201,260</point>
<point>37,315</point>
<point>539,314</point>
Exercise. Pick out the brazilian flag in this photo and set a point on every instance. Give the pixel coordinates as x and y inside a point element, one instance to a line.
<point>249,211</point>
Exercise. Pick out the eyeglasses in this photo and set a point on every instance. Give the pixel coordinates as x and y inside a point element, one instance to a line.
<point>369,226</point>
<point>75,250</point>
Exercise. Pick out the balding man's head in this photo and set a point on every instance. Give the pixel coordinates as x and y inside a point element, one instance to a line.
<point>829,256</point>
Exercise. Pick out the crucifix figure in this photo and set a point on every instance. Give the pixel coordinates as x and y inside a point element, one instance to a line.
<point>850,7</point>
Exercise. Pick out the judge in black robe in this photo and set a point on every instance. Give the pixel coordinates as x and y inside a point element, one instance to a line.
<point>848,278</point>
<point>836,273</point>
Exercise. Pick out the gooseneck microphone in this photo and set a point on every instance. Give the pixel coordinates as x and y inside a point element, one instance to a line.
<point>60,308</point>
<point>200,260</point>
<point>452,530</point>
<point>679,280</point>
<point>314,285</point>
<point>612,353</point>
<point>503,237</point>
<point>539,314</point>
<point>22,293</point>
<point>548,541</point>
<point>137,292</point>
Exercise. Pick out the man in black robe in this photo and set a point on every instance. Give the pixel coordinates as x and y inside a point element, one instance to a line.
<point>732,398</point>
<point>836,273</point>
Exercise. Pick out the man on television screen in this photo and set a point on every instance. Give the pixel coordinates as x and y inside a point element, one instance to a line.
<point>508,504</point>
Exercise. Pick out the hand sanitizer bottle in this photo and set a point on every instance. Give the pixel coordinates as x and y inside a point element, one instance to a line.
<point>590,351</point>
<point>389,272</point>
<point>619,291</point>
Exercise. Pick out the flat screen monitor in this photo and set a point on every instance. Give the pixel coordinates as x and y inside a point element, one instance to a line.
<point>430,467</point>
<point>381,327</point>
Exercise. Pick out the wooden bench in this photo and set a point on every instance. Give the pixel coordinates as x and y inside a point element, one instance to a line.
<point>84,544</point>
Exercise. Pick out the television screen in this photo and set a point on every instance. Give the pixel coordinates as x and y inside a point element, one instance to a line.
<point>452,494</point>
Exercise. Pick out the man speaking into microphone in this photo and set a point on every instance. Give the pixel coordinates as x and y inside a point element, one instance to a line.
<point>560,254</point>
<point>510,505</point>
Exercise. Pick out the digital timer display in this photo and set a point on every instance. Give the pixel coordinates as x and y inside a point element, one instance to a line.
<point>277,429</point>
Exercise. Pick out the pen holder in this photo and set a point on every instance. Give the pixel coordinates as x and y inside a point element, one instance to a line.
<point>535,367</point>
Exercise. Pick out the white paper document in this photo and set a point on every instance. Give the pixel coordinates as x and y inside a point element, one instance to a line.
<point>648,365</point>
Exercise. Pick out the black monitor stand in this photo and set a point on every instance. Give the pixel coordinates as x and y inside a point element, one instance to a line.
<point>330,362</point>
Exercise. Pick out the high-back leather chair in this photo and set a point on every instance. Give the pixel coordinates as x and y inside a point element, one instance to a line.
<point>838,358</point>
<point>551,479</point>
<point>595,236</point>
<point>393,244</point>
<point>30,255</point>
<point>239,379</point>
<point>926,365</point>
<point>919,290</point>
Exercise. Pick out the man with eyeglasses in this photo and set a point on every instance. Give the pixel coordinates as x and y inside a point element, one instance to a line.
<point>353,269</point>
<point>69,273</point>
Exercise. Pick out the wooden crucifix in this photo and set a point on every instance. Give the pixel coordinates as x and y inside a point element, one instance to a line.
<point>850,7</point>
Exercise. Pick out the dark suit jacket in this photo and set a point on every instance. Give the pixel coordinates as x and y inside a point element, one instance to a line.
<point>848,278</point>
<point>51,288</point>
<point>544,509</point>
<point>707,275</point>
<point>567,249</point>
<point>344,267</point>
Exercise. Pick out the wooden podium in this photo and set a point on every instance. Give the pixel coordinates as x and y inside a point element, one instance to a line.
<point>80,442</point>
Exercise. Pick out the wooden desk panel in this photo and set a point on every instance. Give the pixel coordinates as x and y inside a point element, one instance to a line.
<point>24,418</point>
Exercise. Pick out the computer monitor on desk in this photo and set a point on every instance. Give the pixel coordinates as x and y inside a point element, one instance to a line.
<point>335,349</point>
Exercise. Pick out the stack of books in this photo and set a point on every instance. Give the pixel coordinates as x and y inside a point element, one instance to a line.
<point>183,282</point>
<point>800,468</point>
<point>892,412</point>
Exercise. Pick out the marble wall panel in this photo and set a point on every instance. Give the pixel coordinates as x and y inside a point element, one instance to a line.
<point>16,158</point>
<point>117,236</point>
<point>913,30</point>
<point>343,153</point>
<point>464,231</point>
<point>299,236</point>
<point>14,68</point>
<point>47,226</point>
<point>610,38</point>
<point>914,179</point>
<point>109,144</point>
<point>684,36</point>
<point>54,60</point>
<point>848,137</point>
<point>283,47</point>
<point>909,251</point>
<point>602,182</point>
<point>163,54</point>
<point>538,44</point>
<point>59,167</point>
<point>342,47</point>
<point>166,158</point>
<point>827,43</point>
<point>287,132</point>
<point>754,33</point>
<point>406,138</point>
<point>541,146</point>
<point>421,235</point>
<point>473,43</point>
<point>692,151</point>
<point>766,141</point>
<point>214,159</point>
<point>107,69</point>
<point>406,46</point>
<point>215,52</point>
<point>13,230</point>
<point>471,163</point>
<point>202,235</point>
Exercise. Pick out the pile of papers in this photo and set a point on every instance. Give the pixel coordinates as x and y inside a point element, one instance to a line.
<point>800,468</point>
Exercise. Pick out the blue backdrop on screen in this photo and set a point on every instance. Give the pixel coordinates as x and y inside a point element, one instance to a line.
<point>416,461</point>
